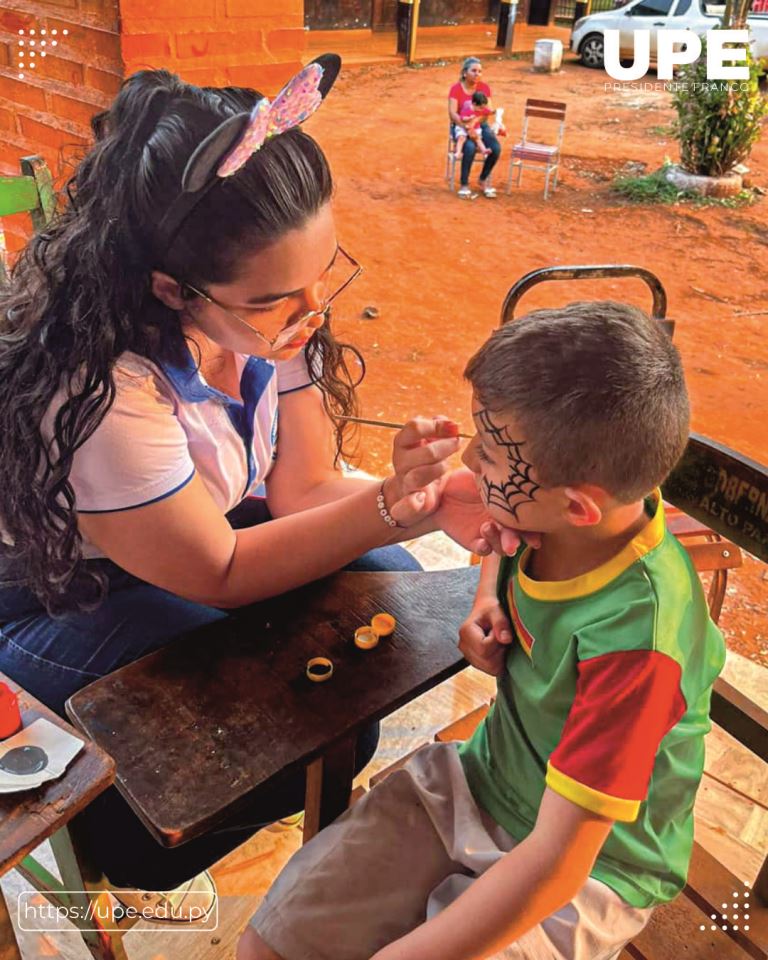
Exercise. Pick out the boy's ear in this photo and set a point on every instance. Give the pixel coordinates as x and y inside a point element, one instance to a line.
<point>583,506</point>
<point>167,290</point>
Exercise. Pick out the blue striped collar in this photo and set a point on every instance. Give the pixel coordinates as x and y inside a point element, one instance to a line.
<point>191,387</point>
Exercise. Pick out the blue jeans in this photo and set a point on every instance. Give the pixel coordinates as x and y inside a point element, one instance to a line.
<point>470,149</point>
<point>53,658</point>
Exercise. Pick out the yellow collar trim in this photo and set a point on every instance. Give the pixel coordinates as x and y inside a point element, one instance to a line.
<point>648,539</point>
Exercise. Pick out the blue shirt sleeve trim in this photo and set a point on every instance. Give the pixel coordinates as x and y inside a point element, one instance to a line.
<point>146,503</point>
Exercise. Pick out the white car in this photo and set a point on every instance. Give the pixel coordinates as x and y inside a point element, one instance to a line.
<point>654,15</point>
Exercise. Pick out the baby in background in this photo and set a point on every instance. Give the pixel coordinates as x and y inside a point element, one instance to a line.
<point>473,114</point>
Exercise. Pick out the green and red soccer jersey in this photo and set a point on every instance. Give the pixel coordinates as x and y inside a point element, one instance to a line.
<point>605,699</point>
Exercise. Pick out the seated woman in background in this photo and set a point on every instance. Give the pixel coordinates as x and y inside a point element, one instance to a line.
<point>460,93</point>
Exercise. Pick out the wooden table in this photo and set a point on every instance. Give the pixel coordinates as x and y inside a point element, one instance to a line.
<point>198,728</point>
<point>29,818</point>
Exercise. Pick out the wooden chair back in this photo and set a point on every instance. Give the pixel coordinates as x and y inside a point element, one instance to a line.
<point>31,193</point>
<point>546,109</point>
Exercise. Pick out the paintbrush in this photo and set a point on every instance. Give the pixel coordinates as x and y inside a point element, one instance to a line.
<point>386,423</point>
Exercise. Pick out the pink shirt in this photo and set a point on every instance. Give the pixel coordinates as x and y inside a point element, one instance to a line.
<point>458,93</point>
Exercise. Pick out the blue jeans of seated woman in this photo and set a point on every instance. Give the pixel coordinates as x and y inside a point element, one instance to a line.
<point>53,658</point>
<point>470,149</point>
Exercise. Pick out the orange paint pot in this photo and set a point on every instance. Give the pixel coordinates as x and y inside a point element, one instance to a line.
<point>383,624</point>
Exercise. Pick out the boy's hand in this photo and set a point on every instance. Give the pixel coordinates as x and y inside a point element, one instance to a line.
<point>485,636</point>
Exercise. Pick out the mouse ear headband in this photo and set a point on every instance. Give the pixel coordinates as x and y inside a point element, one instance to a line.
<point>228,148</point>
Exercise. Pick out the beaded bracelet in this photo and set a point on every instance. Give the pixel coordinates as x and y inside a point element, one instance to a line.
<point>382,507</point>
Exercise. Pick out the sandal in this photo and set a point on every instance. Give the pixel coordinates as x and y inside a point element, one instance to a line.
<point>489,192</point>
<point>464,193</point>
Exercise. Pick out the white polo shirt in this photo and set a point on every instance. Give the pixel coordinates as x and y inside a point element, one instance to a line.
<point>167,424</point>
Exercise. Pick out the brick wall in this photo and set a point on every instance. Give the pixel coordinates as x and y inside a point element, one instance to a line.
<point>48,111</point>
<point>256,43</point>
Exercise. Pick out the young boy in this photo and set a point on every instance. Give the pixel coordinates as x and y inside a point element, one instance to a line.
<point>567,817</point>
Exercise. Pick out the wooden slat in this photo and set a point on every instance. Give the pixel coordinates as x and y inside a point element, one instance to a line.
<point>632,952</point>
<point>682,525</point>
<point>741,717</point>
<point>731,763</point>
<point>329,786</point>
<point>711,885</point>
<point>714,556</point>
<point>45,206</point>
<point>545,114</point>
<point>673,932</point>
<point>464,727</point>
<point>9,947</point>
<point>730,826</point>
<point>17,195</point>
<point>549,104</point>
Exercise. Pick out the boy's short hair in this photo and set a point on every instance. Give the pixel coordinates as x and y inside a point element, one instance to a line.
<point>479,98</point>
<point>597,388</point>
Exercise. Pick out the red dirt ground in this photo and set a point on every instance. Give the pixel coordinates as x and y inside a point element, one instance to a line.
<point>438,268</point>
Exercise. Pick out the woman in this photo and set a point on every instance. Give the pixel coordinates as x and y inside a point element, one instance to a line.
<point>469,82</point>
<point>163,351</point>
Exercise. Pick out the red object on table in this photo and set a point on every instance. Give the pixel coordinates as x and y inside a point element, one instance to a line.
<point>10,717</point>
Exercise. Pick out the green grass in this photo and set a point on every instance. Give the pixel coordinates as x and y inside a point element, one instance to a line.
<point>655,188</point>
<point>661,131</point>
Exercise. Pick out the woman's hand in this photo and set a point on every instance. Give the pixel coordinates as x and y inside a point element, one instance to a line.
<point>463,516</point>
<point>420,455</point>
<point>485,635</point>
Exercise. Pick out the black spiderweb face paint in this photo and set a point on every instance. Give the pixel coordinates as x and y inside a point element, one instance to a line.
<point>519,488</point>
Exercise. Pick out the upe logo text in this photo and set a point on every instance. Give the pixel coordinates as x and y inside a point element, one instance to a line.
<point>676,48</point>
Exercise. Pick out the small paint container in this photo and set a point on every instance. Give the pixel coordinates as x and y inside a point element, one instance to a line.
<point>319,669</point>
<point>383,624</point>
<point>366,638</point>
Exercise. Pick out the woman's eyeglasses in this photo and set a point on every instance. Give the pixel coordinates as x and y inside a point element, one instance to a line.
<point>342,271</point>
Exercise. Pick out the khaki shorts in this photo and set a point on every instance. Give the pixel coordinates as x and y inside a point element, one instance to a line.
<point>400,855</point>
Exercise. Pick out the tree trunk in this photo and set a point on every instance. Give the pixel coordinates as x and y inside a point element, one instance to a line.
<point>735,14</point>
<point>741,13</point>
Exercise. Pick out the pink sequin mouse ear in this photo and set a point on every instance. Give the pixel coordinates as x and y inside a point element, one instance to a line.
<point>298,99</point>
<point>227,148</point>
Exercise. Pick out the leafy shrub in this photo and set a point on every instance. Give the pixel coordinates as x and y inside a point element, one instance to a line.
<point>718,121</point>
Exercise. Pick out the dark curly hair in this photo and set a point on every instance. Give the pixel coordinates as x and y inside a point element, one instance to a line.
<point>80,296</point>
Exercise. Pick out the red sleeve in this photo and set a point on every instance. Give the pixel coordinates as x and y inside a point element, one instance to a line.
<point>456,92</point>
<point>484,88</point>
<point>625,705</point>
